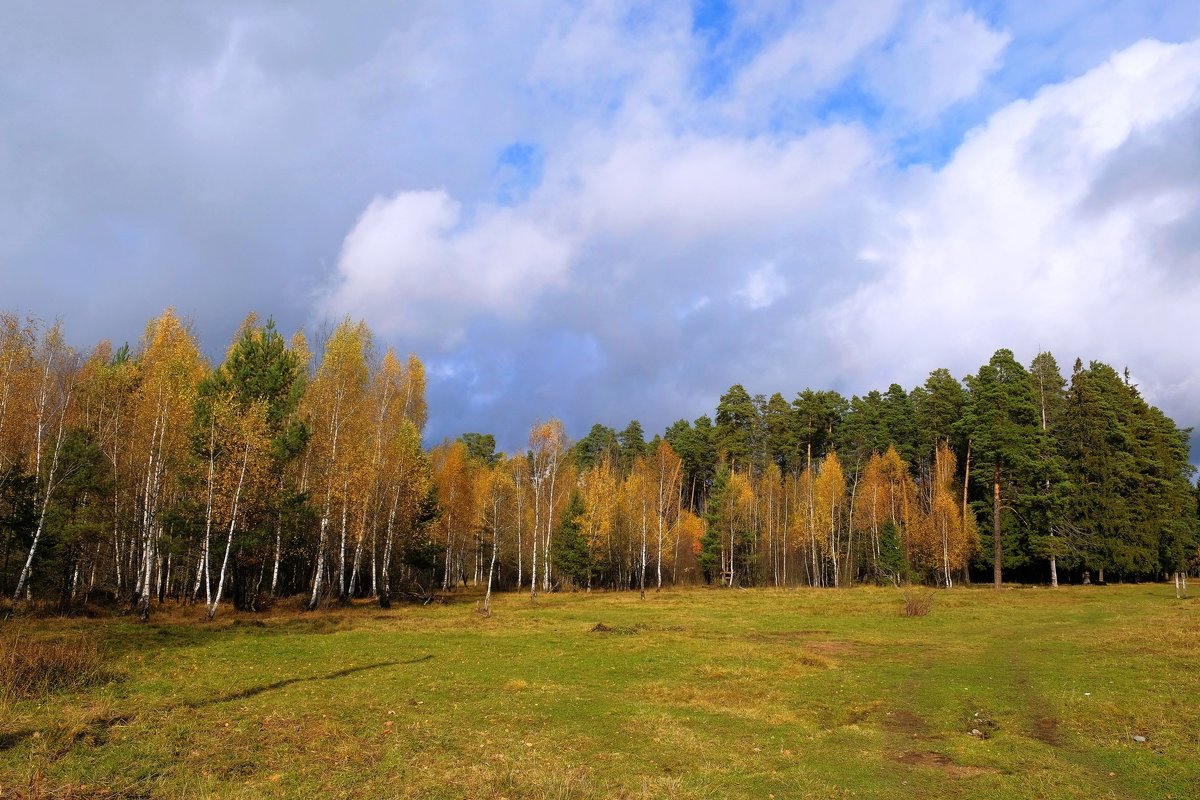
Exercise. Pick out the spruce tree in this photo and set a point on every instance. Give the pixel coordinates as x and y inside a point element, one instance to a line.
<point>571,555</point>
<point>709,558</point>
<point>1100,451</point>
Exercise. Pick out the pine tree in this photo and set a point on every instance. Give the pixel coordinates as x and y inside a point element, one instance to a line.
<point>900,423</point>
<point>710,559</point>
<point>939,411</point>
<point>817,417</point>
<point>777,421</point>
<point>632,445</point>
<point>1002,422</point>
<point>1051,490</point>
<point>736,419</point>
<point>600,442</point>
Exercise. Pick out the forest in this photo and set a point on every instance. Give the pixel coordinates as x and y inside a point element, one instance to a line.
<point>144,475</point>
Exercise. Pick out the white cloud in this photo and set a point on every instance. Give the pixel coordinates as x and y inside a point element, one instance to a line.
<point>1019,242</point>
<point>941,56</point>
<point>651,212</point>
<point>415,268</point>
<point>242,148</point>
<point>811,54</point>
<point>686,187</point>
<point>762,288</point>
<point>602,275</point>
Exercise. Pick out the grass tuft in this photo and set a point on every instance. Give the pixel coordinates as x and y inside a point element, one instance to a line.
<point>917,602</point>
<point>35,666</point>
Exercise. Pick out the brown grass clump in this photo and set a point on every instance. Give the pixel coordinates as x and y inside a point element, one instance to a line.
<point>916,603</point>
<point>34,666</point>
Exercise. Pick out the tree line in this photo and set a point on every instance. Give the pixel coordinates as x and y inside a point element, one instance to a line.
<point>147,473</point>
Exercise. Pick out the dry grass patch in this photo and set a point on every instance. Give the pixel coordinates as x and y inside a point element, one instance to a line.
<point>945,764</point>
<point>917,602</point>
<point>31,666</point>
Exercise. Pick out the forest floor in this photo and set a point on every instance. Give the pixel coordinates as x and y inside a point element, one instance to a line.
<point>689,693</point>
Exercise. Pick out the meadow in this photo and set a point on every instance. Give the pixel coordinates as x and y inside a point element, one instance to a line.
<point>690,693</point>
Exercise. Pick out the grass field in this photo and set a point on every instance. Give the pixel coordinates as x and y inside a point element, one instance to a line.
<point>690,693</point>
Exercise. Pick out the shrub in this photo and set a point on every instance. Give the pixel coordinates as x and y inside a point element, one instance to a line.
<point>916,603</point>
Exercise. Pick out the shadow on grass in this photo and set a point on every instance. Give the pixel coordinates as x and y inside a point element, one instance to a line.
<point>94,731</point>
<point>254,691</point>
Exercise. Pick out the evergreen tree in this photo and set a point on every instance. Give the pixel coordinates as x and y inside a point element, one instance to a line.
<point>589,450</point>
<point>696,447</point>
<point>481,447</point>
<point>736,420</point>
<point>864,430</point>
<point>570,553</point>
<point>1050,492</point>
<point>18,516</point>
<point>777,421</point>
<point>1165,493</point>
<point>1128,466</point>
<point>259,375</point>
<point>816,419</point>
<point>891,556</point>
<point>709,559</point>
<point>632,443</point>
<point>900,423</point>
<point>1002,423</point>
<point>79,514</point>
<point>938,405</point>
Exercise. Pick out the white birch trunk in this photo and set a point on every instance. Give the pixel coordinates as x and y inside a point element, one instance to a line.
<point>537,515</point>
<point>642,565</point>
<point>546,562</point>
<point>237,495</point>
<point>327,508</point>
<point>385,597</point>
<point>342,545</point>
<point>47,494</point>
<point>487,598</point>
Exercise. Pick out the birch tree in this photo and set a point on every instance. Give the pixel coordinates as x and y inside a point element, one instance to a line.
<point>547,446</point>
<point>335,405</point>
<point>668,471</point>
<point>828,513</point>
<point>170,367</point>
<point>58,367</point>
<point>498,491</point>
<point>407,481</point>
<point>246,426</point>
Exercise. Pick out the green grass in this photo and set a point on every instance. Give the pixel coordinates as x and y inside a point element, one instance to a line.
<point>697,693</point>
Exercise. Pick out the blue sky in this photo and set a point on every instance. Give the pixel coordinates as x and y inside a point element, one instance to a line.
<point>609,210</point>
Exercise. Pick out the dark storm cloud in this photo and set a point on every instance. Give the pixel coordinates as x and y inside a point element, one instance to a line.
<point>213,156</point>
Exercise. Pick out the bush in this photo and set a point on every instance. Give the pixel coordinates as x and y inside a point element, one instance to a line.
<point>916,603</point>
<point>30,666</point>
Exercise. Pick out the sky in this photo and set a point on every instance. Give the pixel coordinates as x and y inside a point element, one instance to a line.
<point>602,211</point>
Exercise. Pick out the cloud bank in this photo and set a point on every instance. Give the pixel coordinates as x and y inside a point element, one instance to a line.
<point>613,210</point>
